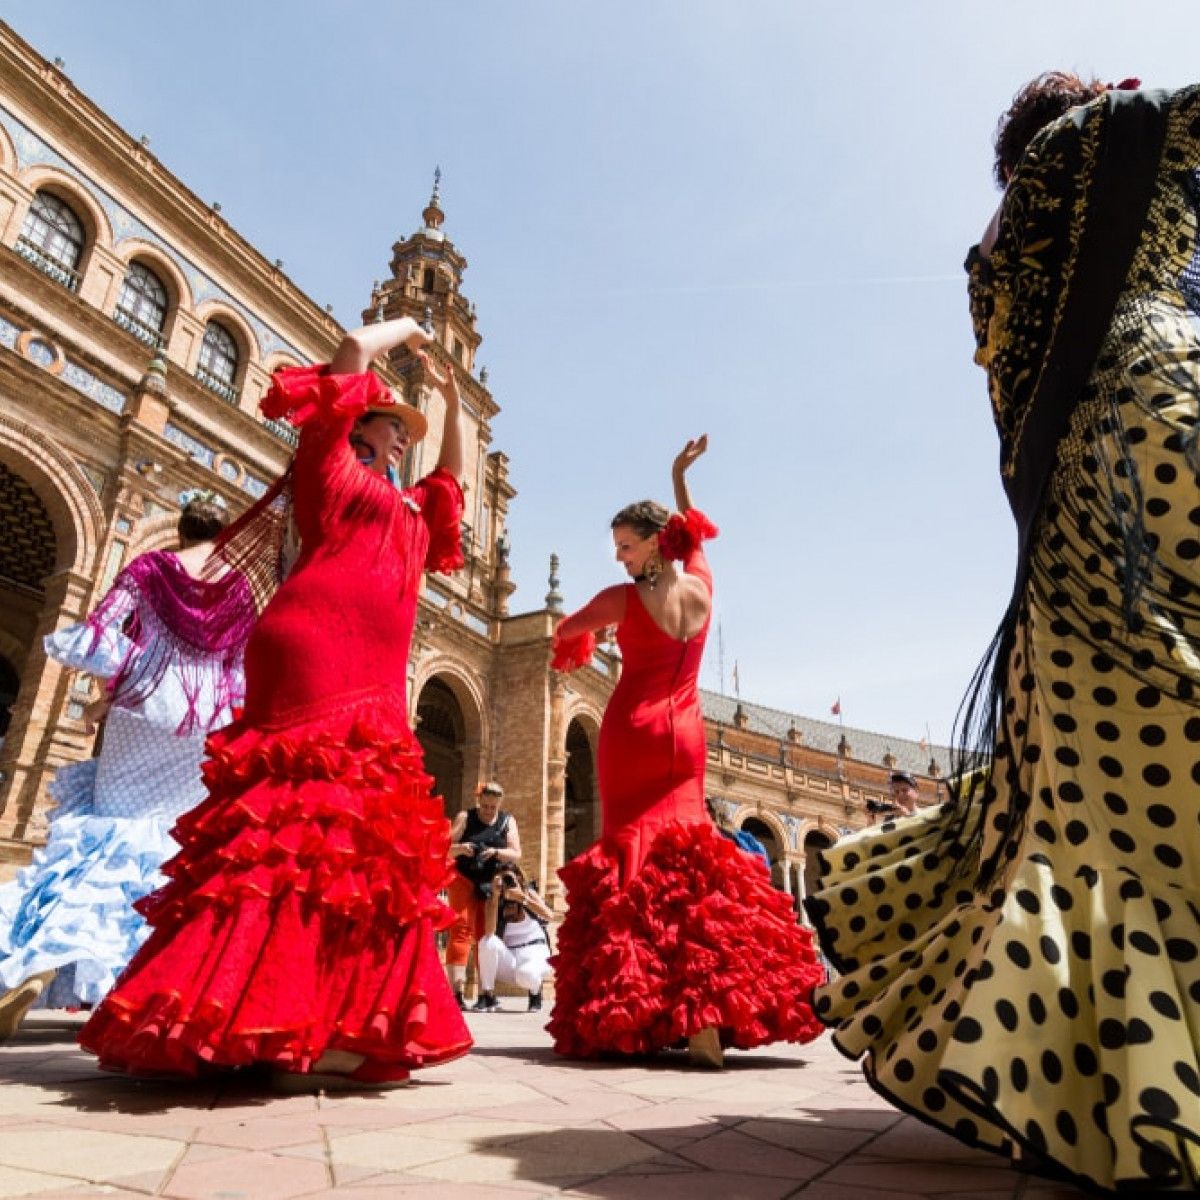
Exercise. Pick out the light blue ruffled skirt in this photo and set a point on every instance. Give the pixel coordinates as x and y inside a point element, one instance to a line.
<point>72,910</point>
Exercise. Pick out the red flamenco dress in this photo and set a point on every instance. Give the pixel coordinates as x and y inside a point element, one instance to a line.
<point>300,913</point>
<point>670,927</point>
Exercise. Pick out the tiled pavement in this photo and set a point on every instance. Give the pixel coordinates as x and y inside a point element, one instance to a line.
<point>506,1122</point>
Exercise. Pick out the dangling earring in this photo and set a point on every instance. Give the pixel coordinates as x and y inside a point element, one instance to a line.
<point>653,568</point>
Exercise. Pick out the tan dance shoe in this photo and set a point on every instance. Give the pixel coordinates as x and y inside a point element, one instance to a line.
<point>16,1002</point>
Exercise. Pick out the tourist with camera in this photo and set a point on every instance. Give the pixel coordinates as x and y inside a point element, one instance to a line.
<point>518,948</point>
<point>483,840</point>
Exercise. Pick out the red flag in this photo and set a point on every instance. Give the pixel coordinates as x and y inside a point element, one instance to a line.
<point>837,707</point>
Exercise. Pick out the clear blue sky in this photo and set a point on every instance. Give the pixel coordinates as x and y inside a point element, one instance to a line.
<point>746,218</point>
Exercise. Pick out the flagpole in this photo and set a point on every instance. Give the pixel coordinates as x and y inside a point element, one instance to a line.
<point>721,655</point>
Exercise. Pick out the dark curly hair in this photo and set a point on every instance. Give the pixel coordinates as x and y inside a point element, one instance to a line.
<point>645,518</point>
<point>1039,102</point>
<point>201,521</point>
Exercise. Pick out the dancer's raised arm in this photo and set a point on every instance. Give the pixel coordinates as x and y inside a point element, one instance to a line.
<point>450,457</point>
<point>683,460</point>
<point>360,346</point>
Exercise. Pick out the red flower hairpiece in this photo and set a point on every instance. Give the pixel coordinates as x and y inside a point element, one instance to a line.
<point>1130,84</point>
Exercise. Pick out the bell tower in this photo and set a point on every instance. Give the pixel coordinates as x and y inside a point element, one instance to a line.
<point>426,284</point>
<point>426,281</point>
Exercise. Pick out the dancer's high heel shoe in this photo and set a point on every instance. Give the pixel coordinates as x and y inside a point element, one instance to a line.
<point>704,1049</point>
<point>16,1002</point>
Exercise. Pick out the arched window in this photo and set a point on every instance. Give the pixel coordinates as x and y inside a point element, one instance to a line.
<point>142,305</point>
<point>218,366</point>
<point>52,239</point>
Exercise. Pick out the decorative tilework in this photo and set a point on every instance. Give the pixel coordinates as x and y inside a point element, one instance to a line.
<point>253,486</point>
<point>41,353</point>
<point>198,450</point>
<point>85,382</point>
<point>8,334</point>
<point>31,151</point>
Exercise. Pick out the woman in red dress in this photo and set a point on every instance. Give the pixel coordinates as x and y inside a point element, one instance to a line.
<point>297,925</point>
<point>671,931</point>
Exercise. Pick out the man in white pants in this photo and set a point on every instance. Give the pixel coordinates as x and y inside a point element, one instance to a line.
<point>518,951</point>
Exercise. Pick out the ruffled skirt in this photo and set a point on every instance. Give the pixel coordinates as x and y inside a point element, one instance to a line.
<point>72,910</point>
<point>300,913</point>
<point>697,939</point>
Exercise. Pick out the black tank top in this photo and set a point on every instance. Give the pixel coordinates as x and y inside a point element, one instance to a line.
<point>486,837</point>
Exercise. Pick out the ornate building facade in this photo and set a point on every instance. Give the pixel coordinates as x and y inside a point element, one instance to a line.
<point>138,333</point>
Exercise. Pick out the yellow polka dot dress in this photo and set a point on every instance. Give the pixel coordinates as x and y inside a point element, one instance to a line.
<point>1053,1004</point>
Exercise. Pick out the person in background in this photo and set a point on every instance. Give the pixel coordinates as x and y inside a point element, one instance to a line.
<point>517,951</point>
<point>483,840</point>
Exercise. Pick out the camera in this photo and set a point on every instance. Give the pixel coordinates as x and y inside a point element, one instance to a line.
<point>882,806</point>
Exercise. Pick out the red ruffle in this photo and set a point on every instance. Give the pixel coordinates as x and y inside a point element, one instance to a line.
<point>684,532</point>
<point>302,393</point>
<point>571,653</point>
<point>300,912</point>
<point>699,938</point>
<point>441,500</point>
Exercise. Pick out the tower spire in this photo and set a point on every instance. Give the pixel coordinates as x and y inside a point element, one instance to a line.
<point>433,215</point>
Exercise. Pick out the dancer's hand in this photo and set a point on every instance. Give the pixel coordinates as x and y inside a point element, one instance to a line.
<point>687,456</point>
<point>94,713</point>
<point>445,381</point>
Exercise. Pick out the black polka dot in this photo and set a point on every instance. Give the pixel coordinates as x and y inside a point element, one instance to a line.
<point>1161,815</point>
<point>1018,954</point>
<point>1086,1062</point>
<point>1107,731</point>
<point>1158,1104</point>
<point>1019,1073</point>
<point>1122,840</point>
<point>1068,1002</point>
<point>1006,1014</point>
<point>1081,945</point>
<point>934,1099</point>
<point>1140,940</point>
<point>1076,833</point>
<point>1052,1067</point>
<point>1169,856</point>
<point>1138,1033</point>
<point>1065,1124</point>
<point>1111,766</point>
<point>1050,950</point>
<point>1165,1005</point>
<point>1114,982</point>
<point>1186,1074</point>
<point>904,1070</point>
<point>1152,735</point>
<point>1067,756</point>
<point>1156,775</point>
<point>1116,803</point>
<point>1029,901</point>
<point>1104,696</point>
<point>968,1030</point>
<point>1037,1009</point>
<point>1148,697</point>
<point>1181,950</point>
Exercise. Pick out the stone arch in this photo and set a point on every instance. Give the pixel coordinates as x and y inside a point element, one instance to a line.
<point>770,831</point>
<point>134,249</point>
<point>581,783</point>
<point>448,720</point>
<point>73,505</point>
<point>66,187</point>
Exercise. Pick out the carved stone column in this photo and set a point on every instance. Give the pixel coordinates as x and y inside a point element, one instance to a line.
<point>556,791</point>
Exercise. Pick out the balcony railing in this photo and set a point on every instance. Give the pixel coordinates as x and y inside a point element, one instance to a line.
<point>219,386</point>
<point>284,432</point>
<point>143,333</point>
<point>48,266</point>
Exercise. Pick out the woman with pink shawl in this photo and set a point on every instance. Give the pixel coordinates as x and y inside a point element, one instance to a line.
<point>169,643</point>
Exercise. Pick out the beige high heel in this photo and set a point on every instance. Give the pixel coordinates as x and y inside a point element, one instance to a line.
<point>704,1050</point>
<point>16,1002</point>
